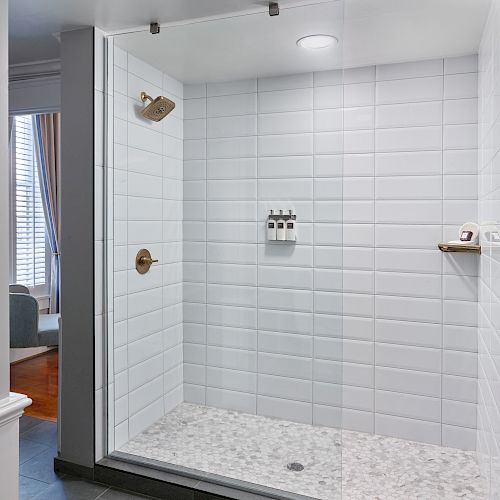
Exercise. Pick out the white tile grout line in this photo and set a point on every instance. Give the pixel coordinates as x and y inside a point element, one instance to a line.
<point>206,242</point>
<point>257,217</point>
<point>374,240</point>
<point>313,258</point>
<point>442,259</point>
<point>127,317</point>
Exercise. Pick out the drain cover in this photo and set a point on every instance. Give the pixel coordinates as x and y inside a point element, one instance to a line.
<point>295,466</point>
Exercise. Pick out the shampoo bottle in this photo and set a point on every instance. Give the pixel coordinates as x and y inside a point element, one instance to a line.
<point>291,230</point>
<point>281,228</point>
<point>271,227</point>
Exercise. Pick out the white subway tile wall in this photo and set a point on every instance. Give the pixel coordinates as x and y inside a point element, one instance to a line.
<point>148,213</point>
<point>363,314</point>
<point>488,441</point>
<point>379,170</point>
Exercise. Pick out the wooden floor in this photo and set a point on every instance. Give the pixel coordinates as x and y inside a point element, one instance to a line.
<point>37,378</point>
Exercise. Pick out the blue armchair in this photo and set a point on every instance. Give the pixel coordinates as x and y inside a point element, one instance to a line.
<point>28,328</point>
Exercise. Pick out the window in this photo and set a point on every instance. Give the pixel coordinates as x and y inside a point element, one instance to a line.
<point>29,262</point>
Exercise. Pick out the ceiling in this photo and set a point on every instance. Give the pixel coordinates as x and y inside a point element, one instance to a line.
<point>257,45</point>
<point>378,31</point>
<point>32,22</point>
<point>374,31</point>
<point>241,47</point>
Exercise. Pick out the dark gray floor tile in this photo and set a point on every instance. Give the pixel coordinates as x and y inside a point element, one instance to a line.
<point>116,494</point>
<point>40,467</point>
<point>29,449</point>
<point>28,488</point>
<point>45,433</point>
<point>70,488</point>
<point>26,423</point>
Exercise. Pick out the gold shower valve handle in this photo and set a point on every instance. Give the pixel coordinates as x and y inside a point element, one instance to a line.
<point>147,260</point>
<point>143,261</point>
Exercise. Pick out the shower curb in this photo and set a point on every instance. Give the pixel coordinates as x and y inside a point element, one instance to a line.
<point>179,483</point>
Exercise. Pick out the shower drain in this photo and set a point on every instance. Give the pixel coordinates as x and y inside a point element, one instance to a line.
<point>295,466</point>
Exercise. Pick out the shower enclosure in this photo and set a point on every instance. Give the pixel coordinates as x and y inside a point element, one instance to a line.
<point>323,362</point>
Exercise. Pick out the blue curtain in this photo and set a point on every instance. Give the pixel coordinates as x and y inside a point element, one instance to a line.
<point>11,124</point>
<point>47,140</point>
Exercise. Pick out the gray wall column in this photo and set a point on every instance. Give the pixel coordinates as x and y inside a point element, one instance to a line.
<point>76,411</point>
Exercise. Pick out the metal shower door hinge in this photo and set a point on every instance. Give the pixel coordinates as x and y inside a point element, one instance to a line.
<point>154,28</point>
<point>274,9</point>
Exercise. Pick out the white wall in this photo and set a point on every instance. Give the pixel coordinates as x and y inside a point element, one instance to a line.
<point>488,443</point>
<point>263,324</point>
<point>4,197</point>
<point>147,214</point>
<point>11,407</point>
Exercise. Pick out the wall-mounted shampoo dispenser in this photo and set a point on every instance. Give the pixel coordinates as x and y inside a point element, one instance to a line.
<point>281,225</point>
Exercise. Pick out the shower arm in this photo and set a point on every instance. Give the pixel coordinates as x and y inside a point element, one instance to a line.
<point>145,97</point>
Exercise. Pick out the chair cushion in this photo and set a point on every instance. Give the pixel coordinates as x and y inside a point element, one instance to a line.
<point>48,329</point>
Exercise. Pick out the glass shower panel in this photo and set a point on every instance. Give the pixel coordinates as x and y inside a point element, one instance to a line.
<point>410,331</point>
<point>225,356</point>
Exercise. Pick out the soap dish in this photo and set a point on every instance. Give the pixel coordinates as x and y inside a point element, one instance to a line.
<point>457,247</point>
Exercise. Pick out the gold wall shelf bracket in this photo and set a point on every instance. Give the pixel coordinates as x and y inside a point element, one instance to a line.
<point>457,247</point>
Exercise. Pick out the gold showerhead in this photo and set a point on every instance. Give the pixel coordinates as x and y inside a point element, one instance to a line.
<point>158,108</point>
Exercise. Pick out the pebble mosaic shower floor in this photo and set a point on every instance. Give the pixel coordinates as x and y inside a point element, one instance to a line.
<point>348,465</point>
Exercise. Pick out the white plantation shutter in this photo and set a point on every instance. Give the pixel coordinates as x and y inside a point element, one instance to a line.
<point>28,220</point>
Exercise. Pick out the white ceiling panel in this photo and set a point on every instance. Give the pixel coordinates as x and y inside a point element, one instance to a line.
<point>370,31</point>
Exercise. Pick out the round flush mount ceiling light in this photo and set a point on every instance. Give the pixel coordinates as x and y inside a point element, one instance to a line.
<point>317,41</point>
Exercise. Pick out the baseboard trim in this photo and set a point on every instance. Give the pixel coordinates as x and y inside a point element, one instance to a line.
<point>12,407</point>
<point>27,358</point>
